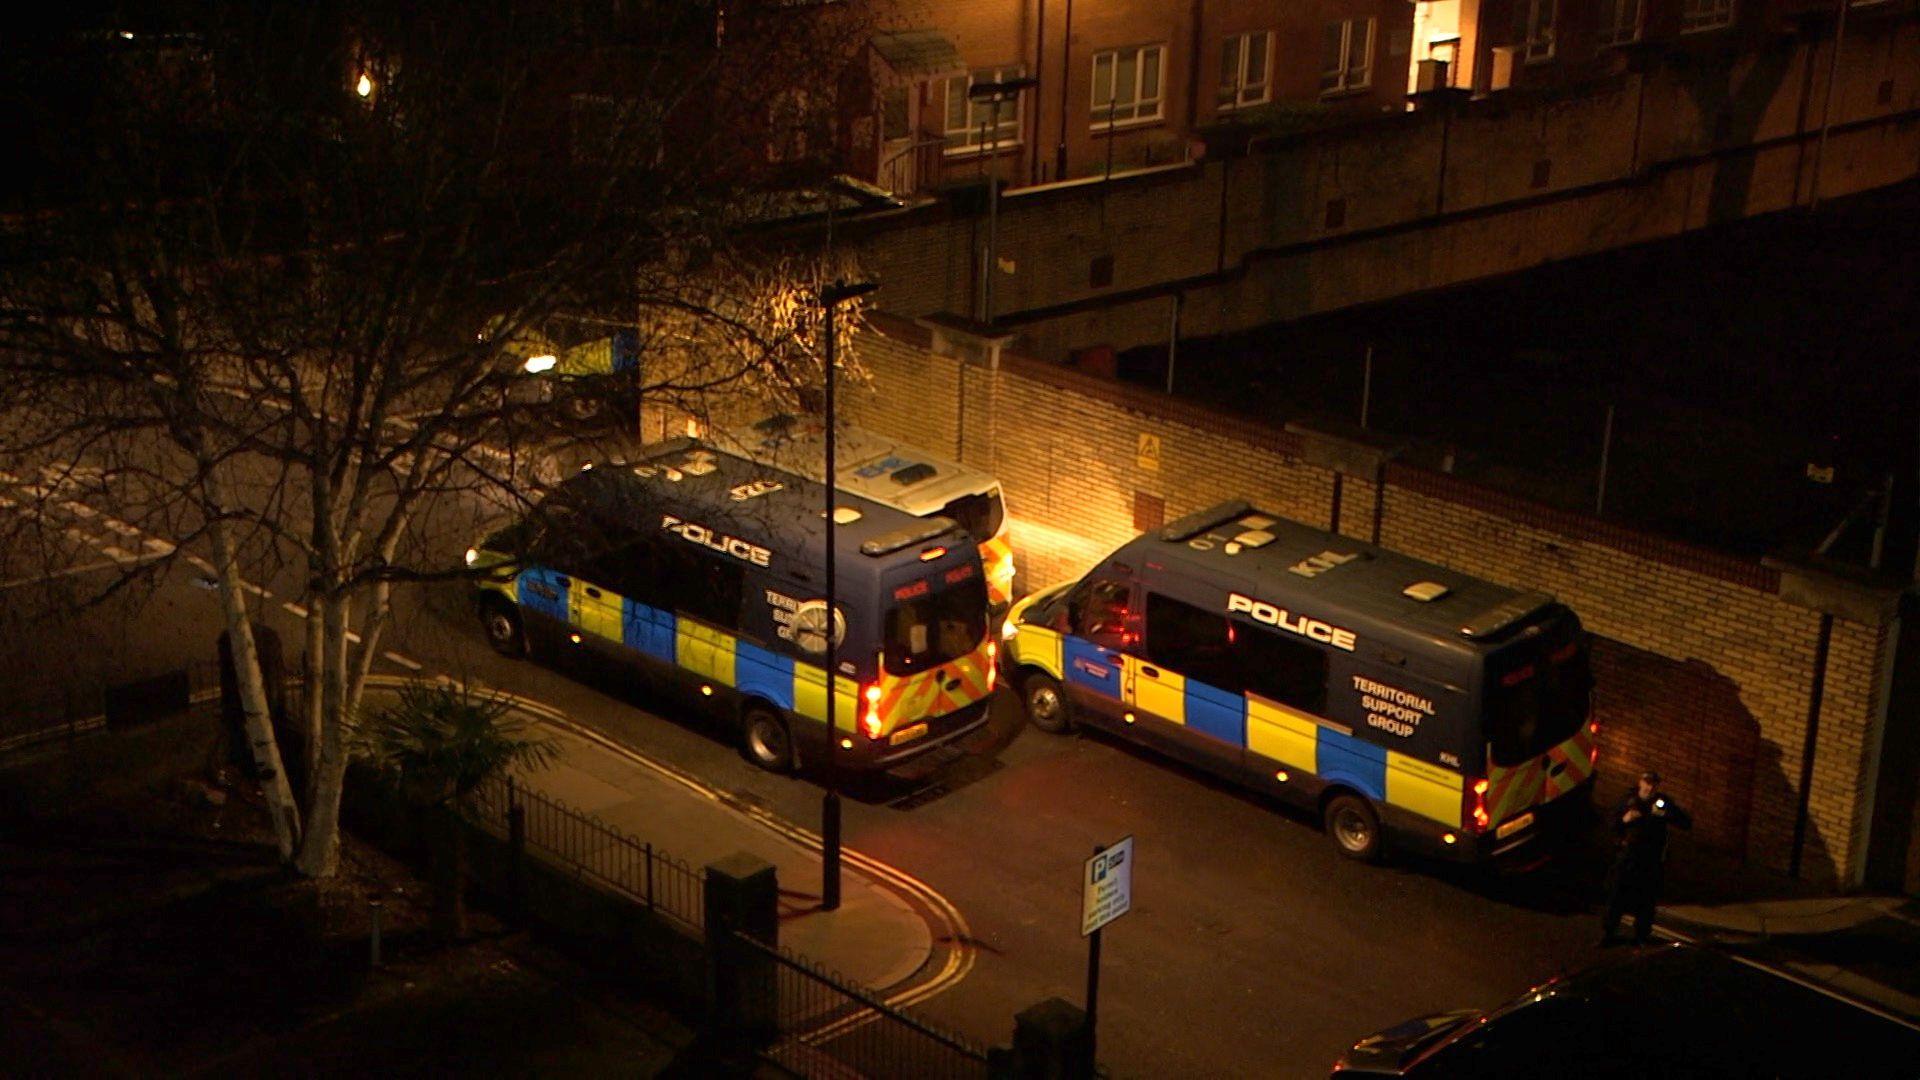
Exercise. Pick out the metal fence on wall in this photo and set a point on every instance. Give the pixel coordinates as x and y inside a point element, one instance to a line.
<point>831,1027</point>
<point>592,849</point>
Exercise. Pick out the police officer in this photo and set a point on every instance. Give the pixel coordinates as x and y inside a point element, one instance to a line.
<point>1641,821</point>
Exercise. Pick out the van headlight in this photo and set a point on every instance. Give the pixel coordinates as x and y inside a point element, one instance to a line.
<point>473,556</point>
<point>1008,629</point>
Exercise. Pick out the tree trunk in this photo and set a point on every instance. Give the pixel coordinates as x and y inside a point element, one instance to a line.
<point>320,851</point>
<point>316,673</point>
<point>253,691</point>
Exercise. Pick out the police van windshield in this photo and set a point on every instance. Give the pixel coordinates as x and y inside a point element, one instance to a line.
<point>1537,692</point>
<point>936,619</point>
<point>980,514</point>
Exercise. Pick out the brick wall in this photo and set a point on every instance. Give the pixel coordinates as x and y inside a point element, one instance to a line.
<point>1704,671</point>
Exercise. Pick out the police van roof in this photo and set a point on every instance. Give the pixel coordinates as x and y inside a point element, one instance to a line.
<point>752,501</point>
<point>1332,576</point>
<point>869,464</point>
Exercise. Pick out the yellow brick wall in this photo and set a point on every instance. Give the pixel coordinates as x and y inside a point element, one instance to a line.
<point>1705,671</point>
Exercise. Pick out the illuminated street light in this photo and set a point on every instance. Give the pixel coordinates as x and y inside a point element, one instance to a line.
<point>365,86</point>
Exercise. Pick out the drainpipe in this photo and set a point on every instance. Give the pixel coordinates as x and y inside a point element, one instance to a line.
<point>1814,697</point>
<point>1826,107</point>
<point>1039,66</point>
<point>1066,79</point>
<point>1193,67</point>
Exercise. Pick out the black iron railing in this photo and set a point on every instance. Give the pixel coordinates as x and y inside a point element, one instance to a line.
<point>591,848</point>
<point>829,1026</point>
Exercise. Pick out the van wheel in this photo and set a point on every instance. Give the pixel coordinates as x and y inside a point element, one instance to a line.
<point>1354,826</point>
<point>503,628</point>
<point>764,739</point>
<point>1046,704</point>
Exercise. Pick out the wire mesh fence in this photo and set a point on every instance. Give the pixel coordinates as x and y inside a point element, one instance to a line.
<point>831,1027</point>
<point>592,849</point>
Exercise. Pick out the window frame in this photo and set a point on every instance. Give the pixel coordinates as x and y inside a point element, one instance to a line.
<point>959,142</point>
<point>1232,97</point>
<point>1343,83</point>
<point>1105,120</point>
<point>1539,40</point>
<point>1617,31</point>
<point>1695,13</point>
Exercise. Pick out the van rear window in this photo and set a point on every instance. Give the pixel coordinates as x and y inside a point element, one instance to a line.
<point>1537,693</point>
<point>939,620</point>
<point>980,514</point>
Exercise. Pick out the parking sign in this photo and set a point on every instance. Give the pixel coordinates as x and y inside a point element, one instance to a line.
<point>1106,889</point>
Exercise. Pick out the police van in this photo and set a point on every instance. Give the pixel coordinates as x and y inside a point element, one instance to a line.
<point>1391,696</point>
<point>708,569</point>
<point>903,477</point>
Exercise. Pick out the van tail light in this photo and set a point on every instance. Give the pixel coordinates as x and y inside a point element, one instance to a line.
<point>1474,807</point>
<point>993,664</point>
<point>870,720</point>
<point>1593,743</point>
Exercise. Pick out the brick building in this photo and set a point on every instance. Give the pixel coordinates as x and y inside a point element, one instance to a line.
<point>1493,45</point>
<point>1117,85</point>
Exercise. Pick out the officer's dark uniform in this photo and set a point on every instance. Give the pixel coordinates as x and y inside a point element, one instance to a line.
<point>1635,887</point>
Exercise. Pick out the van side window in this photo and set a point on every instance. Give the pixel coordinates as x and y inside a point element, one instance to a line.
<point>1283,669</point>
<point>1099,612</point>
<point>1194,642</point>
<point>689,581</point>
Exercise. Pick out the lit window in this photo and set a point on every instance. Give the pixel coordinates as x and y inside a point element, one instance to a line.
<point>975,125</point>
<point>1246,71</point>
<point>1127,86</point>
<point>1621,23</point>
<point>1346,56</point>
<point>1697,15</point>
<point>1538,30</point>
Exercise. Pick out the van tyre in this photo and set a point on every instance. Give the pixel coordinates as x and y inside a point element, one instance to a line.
<point>765,740</point>
<point>1354,826</point>
<point>1046,704</point>
<point>503,627</point>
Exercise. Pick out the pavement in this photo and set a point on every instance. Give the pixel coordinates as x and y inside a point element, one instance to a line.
<point>1865,947</point>
<point>876,937</point>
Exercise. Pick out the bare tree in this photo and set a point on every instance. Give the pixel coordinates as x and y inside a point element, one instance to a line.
<point>276,274</point>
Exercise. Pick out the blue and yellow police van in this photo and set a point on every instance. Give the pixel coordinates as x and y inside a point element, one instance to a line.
<point>1395,698</point>
<point>707,570</point>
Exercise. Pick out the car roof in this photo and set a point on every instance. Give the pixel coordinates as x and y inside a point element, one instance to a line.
<point>1680,1006</point>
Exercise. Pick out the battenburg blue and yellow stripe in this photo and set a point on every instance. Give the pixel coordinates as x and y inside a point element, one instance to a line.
<point>1290,739</point>
<point>704,651</point>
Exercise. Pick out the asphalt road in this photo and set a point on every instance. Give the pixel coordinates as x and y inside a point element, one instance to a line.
<point>1252,949</point>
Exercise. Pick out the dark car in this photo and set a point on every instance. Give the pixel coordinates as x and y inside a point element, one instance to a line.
<point>1663,1011</point>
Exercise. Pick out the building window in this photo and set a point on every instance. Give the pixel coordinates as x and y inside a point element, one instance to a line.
<point>1346,62</point>
<point>1621,22</point>
<point>1126,85</point>
<point>1246,70</point>
<point>1538,31</point>
<point>1697,15</point>
<point>973,125</point>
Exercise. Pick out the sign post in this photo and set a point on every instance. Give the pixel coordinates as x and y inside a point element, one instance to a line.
<point>1106,893</point>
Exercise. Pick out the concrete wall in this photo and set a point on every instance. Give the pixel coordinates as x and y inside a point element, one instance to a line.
<point>1414,201</point>
<point>1705,670</point>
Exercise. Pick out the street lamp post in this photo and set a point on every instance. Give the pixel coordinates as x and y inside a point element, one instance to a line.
<point>994,92</point>
<point>831,297</point>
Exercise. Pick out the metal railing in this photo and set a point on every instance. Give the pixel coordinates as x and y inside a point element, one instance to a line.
<point>591,848</point>
<point>832,1027</point>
